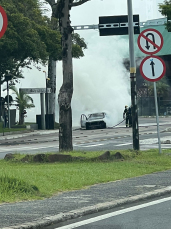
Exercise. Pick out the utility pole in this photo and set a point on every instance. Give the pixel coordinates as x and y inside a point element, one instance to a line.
<point>47,101</point>
<point>8,105</point>
<point>8,77</point>
<point>135,128</point>
<point>42,101</point>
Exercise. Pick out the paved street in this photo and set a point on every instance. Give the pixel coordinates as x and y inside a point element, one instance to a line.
<point>150,214</point>
<point>96,139</point>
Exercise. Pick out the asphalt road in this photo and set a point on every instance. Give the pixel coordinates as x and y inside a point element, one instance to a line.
<point>90,140</point>
<point>150,215</point>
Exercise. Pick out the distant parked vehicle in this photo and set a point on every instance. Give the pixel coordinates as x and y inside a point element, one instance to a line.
<point>95,120</point>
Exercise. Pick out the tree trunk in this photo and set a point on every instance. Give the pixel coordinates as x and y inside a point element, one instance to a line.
<point>52,85</point>
<point>52,69</point>
<point>21,118</point>
<point>66,91</point>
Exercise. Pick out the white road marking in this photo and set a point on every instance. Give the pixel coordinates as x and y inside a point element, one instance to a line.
<point>106,216</point>
<point>93,145</point>
<point>124,144</point>
<point>25,148</point>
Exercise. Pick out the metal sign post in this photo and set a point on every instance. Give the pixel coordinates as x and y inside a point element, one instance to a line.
<point>9,124</point>
<point>152,68</point>
<point>157,117</point>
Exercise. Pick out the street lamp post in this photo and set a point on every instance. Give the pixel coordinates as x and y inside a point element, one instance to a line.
<point>47,102</point>
<point>8,77</point>
<point>135,129</point>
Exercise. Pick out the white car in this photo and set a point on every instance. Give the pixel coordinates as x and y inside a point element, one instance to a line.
<point>95,120</point>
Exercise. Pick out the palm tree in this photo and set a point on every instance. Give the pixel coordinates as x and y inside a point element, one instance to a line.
<point>24,101</point>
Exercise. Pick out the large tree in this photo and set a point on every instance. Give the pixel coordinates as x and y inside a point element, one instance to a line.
<point>78,45</point>
<point>32,38</point>
<point>62,12</point>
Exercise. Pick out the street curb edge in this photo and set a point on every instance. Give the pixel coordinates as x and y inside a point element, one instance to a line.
<point>47,221</point>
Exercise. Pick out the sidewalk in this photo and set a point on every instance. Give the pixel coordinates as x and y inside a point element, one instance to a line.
<point>19,134</point>
<point>67,205</point>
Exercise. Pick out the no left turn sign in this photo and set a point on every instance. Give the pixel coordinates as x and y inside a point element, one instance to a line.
<point>3,21</point>
<point>152,68</point>
<point>150,41</point>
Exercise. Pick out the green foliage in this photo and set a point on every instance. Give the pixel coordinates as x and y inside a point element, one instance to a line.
<point>162,88</point>
<point>28,37</point>
<point>165,10</point>
<point>24,101</point>
<point>16,188</point>
<point>78,46</point>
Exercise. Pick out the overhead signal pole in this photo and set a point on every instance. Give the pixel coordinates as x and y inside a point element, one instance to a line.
<point>135,128</point>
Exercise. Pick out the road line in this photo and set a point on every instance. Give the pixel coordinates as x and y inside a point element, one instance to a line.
<point>25,148</point>
<point>93,145</point>
<point>124,144</point>
<point>106,216</point>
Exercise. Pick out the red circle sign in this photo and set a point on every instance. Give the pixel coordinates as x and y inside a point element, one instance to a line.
<point>152,68</point>
<point>150,41</point>
<point>3,21</point>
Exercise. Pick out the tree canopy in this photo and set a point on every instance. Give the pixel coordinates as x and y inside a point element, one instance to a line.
<point>165,10</point>
<point>30,38</point>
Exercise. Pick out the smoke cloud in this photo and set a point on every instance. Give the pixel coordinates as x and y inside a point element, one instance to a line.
<point>101,82</point>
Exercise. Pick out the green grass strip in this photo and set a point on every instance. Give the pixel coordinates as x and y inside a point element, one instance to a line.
<point>28,180</point>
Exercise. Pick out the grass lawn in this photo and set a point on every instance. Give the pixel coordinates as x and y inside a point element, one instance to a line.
<point>9,129</point>
<point>30,180</point>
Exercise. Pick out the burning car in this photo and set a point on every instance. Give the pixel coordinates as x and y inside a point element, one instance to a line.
<point>95,120</point>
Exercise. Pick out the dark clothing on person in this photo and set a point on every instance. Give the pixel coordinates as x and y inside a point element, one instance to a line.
<point>127,112</point>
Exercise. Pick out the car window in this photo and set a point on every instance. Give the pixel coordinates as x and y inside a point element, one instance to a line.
<point>96,116</point>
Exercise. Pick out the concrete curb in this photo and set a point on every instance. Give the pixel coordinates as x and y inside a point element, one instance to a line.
<point>14,135</point>
<point>47,221</point>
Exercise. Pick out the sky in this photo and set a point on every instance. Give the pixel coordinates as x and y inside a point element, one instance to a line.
<point>101,83</point>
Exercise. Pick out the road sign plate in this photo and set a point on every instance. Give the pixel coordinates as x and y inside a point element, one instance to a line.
<point>3,21</point>
<point>35,90</point>
<point>152,68</point>
<point>150,41</point>
<point>117,25</point>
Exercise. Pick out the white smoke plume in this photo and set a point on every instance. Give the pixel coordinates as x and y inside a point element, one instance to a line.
<point>101,82</point>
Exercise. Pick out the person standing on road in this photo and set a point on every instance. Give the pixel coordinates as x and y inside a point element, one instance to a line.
<point>126,115</point>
